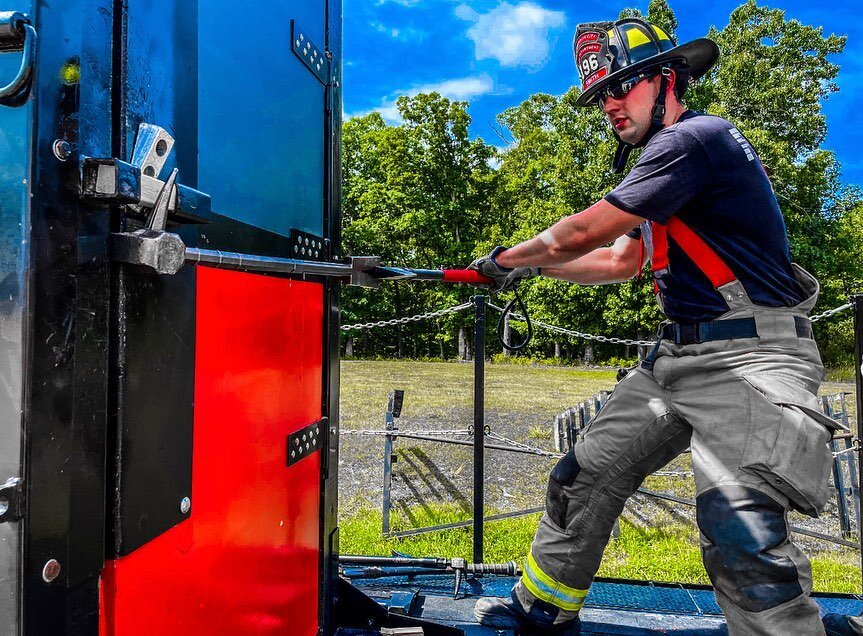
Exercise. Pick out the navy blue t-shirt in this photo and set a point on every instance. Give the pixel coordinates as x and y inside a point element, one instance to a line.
<point>705,172</point>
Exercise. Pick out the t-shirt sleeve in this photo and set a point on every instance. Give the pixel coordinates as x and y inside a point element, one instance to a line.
<point>673,168</point>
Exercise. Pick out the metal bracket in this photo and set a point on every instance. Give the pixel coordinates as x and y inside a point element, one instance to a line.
<point>306,441</point>
<point>313,56</point>
<point>12,500</point>
<point>136,184</point>
<point>308,246</point>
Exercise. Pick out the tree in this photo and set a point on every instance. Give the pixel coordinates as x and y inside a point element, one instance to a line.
<point>417,195</point>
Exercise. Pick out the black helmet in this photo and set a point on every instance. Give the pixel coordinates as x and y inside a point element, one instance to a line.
<point>608,52</point>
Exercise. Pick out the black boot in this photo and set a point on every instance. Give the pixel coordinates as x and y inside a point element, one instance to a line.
<point>508,613</point>
<point>841,625</point>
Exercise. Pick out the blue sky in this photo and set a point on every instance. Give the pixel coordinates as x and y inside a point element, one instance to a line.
<point>495,53</point>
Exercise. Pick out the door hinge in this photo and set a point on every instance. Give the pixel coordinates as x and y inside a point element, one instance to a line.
<point>12,500</point>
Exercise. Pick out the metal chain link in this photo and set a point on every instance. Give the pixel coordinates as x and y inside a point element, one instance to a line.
<point>407,319</point>
<point>830,312</point>
<point>578,334</point>
<point>626,341</point>
<point>568,332</point>
<point>370,433</point>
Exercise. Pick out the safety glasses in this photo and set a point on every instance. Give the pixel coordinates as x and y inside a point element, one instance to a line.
<point>621,89</point>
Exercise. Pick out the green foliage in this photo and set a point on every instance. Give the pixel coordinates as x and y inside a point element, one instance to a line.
<point>423,194</point>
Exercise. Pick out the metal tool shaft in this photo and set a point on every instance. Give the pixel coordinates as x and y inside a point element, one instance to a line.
<point>271,264</point>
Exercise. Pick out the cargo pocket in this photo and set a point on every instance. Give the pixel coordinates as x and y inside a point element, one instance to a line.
<point>788,440</point>
<point>557,500</point>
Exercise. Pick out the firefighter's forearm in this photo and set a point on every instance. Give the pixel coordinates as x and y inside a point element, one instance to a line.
<point>597,268</point>
<point>571,238</point>
<point>544,250</point>
<point>614,264</point>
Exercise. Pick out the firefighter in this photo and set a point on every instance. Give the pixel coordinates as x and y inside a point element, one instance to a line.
<point>734,373</point>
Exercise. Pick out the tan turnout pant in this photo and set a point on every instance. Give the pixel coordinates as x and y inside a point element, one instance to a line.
<point>748,410</point>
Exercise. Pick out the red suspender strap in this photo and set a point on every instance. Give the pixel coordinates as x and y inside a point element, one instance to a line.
<point>693,246</point>
<point>659,259</point>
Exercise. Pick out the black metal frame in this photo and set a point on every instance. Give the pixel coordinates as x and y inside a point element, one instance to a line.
<point>65,414</point>
<point>329,538</point>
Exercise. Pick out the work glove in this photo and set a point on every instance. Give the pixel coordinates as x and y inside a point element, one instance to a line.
<point>503,278</point>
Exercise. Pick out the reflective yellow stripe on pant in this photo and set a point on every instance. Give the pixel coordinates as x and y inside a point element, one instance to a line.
<point>545,588</point>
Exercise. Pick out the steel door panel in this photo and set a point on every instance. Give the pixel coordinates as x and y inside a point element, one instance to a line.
<point>14,255</point>
<point>246,561</point>
<point>261,114</point>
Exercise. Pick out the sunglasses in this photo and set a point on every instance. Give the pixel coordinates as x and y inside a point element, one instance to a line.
<point>621,90</point>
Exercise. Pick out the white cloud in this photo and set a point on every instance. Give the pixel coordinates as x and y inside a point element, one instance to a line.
<point>404,34</point>
<point>461,89</point>
<point>514,35</point>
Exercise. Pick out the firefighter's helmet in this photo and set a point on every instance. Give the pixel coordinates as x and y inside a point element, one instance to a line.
<point>608,52</point>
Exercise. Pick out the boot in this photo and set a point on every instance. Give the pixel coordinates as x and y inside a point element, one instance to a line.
<point>539,620</point>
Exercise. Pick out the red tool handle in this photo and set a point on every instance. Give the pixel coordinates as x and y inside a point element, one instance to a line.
<point>469,276</point>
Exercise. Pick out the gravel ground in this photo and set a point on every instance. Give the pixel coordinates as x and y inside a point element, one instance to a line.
<point>435,473</point>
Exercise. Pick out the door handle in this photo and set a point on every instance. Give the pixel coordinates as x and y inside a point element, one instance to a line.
<point>17,34</point>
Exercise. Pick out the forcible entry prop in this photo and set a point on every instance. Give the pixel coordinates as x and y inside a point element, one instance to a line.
<point>135,185</point>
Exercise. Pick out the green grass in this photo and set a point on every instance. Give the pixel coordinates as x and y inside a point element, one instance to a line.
<point>539,432</point>
<point>433,387</point>
<point>441,394</point>
<point>667,552</point>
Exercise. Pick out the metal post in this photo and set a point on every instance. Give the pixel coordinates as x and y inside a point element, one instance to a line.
<point>852,463</point>
<point>838,475</point>
<point>857,300</point>
<point>388,464</point>
<point>478,426</point>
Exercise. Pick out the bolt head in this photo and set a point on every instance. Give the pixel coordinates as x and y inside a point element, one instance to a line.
<point>185,505</point>
<point>62,149</point>
<point>51,570</point>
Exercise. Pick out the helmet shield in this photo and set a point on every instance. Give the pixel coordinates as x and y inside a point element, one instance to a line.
<point>592,55</point>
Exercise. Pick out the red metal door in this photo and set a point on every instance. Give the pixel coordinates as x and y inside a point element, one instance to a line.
<point>246,561</point>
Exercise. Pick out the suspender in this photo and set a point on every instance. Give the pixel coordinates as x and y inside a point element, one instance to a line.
<point>704,257</point>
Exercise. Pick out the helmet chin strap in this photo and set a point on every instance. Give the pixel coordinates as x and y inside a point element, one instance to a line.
<point>621,155</point>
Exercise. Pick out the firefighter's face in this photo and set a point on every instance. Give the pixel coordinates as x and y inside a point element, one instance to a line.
<point>630,114</point>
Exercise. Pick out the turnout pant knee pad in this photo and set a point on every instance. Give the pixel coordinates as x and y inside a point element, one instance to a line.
<point>743,527</point>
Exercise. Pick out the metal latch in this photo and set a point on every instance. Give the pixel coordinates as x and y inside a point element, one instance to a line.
<point>136,184</point>
<point>12,500</point>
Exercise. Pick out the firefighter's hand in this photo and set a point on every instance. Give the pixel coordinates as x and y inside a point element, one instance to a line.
<point>504,278</point>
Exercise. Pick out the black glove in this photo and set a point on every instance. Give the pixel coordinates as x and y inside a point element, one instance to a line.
<point>504,278</point>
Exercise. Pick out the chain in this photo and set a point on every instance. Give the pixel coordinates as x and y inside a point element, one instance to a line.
<point>578,334</point>
<point>830,312</point>
<point>368,433</point>
<point>855,447</point>
<point>626,341</point>
<point>407,319</point>
<point>532,449</point>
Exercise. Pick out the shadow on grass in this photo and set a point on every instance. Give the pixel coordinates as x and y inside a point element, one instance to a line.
<point>437,485</point>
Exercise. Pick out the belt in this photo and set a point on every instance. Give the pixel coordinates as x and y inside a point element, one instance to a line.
<point>686,333</point>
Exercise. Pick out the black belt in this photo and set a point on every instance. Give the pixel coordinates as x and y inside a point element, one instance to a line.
<point>686,333</point>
